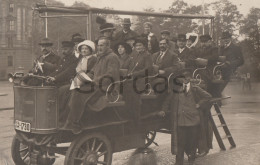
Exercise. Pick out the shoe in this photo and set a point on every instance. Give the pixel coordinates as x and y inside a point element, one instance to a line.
<point>201,154</point>
<point>74,127</point>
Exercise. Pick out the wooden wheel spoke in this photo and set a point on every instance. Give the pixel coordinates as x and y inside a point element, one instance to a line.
<point>25,156</point>
<point>93,145</point>
<point>24,149</point>
<point>82,151</point>
<point>99,146</point>
<point>101,162</point>
<point>103,153</point>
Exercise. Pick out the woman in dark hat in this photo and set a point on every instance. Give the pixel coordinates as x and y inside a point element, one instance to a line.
<point>124,50</point>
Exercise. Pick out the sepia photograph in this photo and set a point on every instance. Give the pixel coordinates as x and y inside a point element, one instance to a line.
<point>130,82</point>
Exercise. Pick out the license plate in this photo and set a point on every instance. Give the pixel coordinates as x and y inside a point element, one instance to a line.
<point>22,126</point>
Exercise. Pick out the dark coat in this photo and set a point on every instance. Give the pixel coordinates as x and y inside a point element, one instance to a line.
<point>122,36</point>
<point>187,56</point>
<point>141,63</point>
<point>233,55</point>
<point>125,62</point>
<point>211,54</point>
<point>50,64</point>
<point>66,70</point>
<point>171,104</point>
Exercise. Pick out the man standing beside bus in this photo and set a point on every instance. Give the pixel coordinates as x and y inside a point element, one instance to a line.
<point>234,58</point>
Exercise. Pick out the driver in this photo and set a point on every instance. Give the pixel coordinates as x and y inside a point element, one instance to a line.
<point>45,64</point>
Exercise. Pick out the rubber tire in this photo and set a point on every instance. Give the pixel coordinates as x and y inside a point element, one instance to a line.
<point>16,155</point>
<point>76,143</point>
<point>15,151</point>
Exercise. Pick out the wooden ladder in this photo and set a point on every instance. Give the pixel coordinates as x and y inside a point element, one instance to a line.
<point>223,125</point>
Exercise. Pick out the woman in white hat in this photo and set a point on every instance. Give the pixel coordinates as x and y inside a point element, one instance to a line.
<point>87,62</point>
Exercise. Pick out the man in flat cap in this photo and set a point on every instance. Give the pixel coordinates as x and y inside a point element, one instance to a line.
<point>67,66</point>
<point>45,64</point>
<point>76,39</point>
<point>184,53</point>
<point>166,34</point>
<point>233,55</point>
<point>126,32</point>
<point>151,39</point>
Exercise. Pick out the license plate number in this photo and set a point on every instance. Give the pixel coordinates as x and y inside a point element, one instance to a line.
<point>22,126</point>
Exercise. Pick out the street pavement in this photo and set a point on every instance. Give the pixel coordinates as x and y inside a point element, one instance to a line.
<point>241,112</point>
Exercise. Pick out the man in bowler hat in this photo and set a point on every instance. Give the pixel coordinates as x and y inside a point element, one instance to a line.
<point>126,32</point>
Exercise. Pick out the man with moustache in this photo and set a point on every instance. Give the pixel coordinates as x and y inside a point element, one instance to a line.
<point>67,66</point>
<point>166,61</point>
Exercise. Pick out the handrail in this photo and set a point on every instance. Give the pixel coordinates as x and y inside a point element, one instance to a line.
<point>86,10</point>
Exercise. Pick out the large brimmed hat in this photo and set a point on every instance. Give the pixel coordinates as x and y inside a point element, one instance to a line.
<point>181,37</point>
<point>67,44</point>
<point>226,35</point>
<point>76,38</point>
<point>205,38</point>
<point>46,42</point>
<point>126,21</point>
<point>127,47</point>
<point>87,43</point>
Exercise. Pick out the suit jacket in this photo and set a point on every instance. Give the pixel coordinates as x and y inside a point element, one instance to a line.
<point>233,55</point>
<point>172,104</point>
<point>169,62</point>
<point>66,70</point>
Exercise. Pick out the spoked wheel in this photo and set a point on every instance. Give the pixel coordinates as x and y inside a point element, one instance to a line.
<point>20,152</point>
<point>92,149</point>
<point>149,138</point>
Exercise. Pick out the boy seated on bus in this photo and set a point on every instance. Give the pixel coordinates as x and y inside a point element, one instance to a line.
<point>185,103</point>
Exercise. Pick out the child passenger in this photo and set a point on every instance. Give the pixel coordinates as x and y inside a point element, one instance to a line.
<point>184,104</point>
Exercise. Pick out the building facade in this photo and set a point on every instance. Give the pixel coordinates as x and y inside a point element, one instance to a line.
<point>15,36</point>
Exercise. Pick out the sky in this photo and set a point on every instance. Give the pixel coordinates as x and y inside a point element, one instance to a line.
<point>138,5</point>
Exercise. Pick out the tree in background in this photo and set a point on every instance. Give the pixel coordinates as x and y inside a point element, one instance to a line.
<point>251,27</point>
<point>227,17</point>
